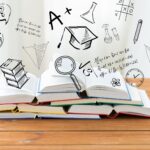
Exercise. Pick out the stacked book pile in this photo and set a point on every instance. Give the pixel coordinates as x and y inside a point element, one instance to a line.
<point>24,96</point>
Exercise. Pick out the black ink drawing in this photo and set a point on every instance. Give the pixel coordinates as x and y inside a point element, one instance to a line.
<point>126,9</point>
<point>115,33</point>
<point>147,48</point>
<point>89,70</point>
<point>115,82</point>
<point>81,37</point>
<point>36,53</point>
<point>5,13</point>
<point>1,39</point>
<point>135,77</point>
<point>14,73</point>
<point>66,65</point>
<point>54,17</point>
<point>107,38</point>
<point>89,15</point>
<point>68,11</point>
<point>138,30</point>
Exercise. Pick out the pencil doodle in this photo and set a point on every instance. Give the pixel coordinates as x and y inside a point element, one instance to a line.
<point>5,13</point>
<point>138,30</point>
<point>126,8</point>
<point>81,37</point>
<point>14,73</point>
<point>115,33</point>
<point>68,11</point>
<point>36,53</point>
<point>147,48</point>
<point>116,82</point>
<point>1,39</point>
<point>89,15</point>
<point>54,17</point>
<point>107,39</point>
<point>66,65</point>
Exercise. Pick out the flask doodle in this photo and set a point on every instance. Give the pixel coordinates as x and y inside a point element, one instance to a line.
<point>5,13</point>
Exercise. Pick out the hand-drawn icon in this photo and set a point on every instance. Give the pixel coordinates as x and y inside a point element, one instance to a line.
<point>87,69</point>
<point>147,48</point>
<point>116,82</point>
<point>126,9</point>
<point>14,73</point>
<point>81,37</point>
<point>89,15</point>
<point>138,30</point>
<point>1,39</point>
<point>135,77</point>
<point>66,65</point>
<point>36,53</point>
<point>53,17</point>
<point>107,38</point>
<point>115,33</point>
<point>68,11</point>
<point>5,12</point>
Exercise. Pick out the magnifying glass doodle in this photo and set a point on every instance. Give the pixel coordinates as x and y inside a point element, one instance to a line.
<point>66,65</point>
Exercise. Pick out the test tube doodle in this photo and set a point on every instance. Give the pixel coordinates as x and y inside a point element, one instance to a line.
<point>115,33</point>
<point>138,30</point>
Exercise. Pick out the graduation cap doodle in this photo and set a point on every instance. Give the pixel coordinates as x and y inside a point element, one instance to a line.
<point>81,37</point>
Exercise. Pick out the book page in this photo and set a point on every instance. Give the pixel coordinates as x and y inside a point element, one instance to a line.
<point>22,32</point>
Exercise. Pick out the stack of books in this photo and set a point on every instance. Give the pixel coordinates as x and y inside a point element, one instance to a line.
<point>56,96</point>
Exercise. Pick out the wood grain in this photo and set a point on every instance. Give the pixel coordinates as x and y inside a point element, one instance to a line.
<point>124,133</point>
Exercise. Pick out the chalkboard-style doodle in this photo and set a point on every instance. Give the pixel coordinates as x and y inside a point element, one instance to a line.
<point>81,37</point>
<point>135,77</point>
<point>5,13</point>
<point>115,33</point>
<point>14,73</point>
<point>36,53</point>
<point>138,30</point>
<point>107,38</point>
<point>1,39</point>
<point>53,17</point>
<point>115,82</point>
<point>68,11</point>
<point>147,48</point>
<point>126,9</point>
<point>89,15</point>
<point>66,65</point>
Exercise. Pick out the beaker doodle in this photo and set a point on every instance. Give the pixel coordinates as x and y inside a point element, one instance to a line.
<point>89,15</point>
<point>108,38</point>
<point>5,12</point>
<point>115,33</point>
<point>1,39</point>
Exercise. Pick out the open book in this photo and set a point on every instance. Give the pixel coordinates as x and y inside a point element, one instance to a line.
<point>17,86</point>
<point>115,110</point>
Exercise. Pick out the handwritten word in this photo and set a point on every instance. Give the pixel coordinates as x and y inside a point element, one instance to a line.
<point>116,61</point>
<point>28,27</point>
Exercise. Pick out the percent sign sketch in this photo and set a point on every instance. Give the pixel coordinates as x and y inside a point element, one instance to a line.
<point>126,8</point>
<point>36,53</point>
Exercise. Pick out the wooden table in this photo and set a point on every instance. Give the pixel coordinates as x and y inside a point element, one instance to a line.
<point>124,133</point>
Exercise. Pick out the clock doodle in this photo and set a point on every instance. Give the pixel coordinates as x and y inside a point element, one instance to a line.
<point>135,77</point>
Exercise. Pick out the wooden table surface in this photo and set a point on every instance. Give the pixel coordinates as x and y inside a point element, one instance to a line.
<point>124,133</point>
